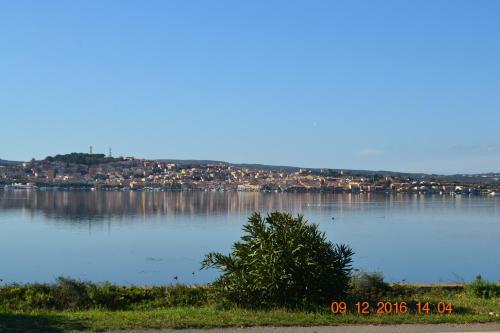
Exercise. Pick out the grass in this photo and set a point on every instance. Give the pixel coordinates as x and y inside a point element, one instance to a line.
<point>207,317</point>
<point>31,308</point>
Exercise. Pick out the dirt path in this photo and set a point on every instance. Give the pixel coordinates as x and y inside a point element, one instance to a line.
<point>489,327</point>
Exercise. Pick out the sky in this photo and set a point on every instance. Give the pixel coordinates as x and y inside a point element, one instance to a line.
<point>381,85</point>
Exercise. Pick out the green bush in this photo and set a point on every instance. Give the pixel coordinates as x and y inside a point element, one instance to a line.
<point>483,288</point>
<point>281,261</point>
<point>186,296</point>
<point>368,284</point>
<point>70,294</point>
<point>108,296</point>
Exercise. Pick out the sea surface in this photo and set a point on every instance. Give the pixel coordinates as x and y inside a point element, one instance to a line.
<point>150,238</point>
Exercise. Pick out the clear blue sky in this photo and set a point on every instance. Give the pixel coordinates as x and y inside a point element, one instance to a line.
<point>394,85</point>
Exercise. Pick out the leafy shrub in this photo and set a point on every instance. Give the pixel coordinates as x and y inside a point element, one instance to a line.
<point>368,284</point>
<point>483,288</point>
<point>70,294</point>
<point>186,296</point>
<point>281,261</point>
<point>108,296</point>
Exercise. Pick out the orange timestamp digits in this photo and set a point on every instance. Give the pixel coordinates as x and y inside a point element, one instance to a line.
<point>386,307</point>
<point>381,308</point>
<point>441,308</point>
<point>338,307</point>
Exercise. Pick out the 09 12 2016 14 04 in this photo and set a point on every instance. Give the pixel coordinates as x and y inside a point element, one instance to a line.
<point>388,308</point>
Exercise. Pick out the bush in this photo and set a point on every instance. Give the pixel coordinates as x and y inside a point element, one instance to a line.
<point>70,294</point>
<point>181,295</point>
<point>482,288</point>
<point>368,284</point>
<point>281,261</point>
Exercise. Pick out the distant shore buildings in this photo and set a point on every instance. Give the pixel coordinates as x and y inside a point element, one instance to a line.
<point>96,171</point>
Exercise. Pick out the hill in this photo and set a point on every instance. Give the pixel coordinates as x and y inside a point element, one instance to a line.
<point>459,178</point>
<point>83,158</point>
<point>5,162</point>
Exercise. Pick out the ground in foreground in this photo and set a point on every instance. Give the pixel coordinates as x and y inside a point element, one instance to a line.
<point>207,317</point>
<point>32,308</point>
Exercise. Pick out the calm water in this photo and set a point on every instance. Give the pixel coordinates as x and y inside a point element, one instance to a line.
<point>149,238</point>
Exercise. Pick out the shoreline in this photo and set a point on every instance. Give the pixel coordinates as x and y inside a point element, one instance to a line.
<point>170,190</point>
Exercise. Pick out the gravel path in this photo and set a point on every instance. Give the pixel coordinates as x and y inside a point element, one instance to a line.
<point>489,327</point>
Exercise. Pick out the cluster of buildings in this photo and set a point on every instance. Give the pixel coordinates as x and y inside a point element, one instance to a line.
<point>138,174</point>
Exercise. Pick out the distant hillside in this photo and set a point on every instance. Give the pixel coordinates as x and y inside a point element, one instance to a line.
<point>83,158</point>
<point>190,162</point>
<point>287,168</point>
<point>241,165</point>
<point>5,162</point>
<point>461,178</point>
<point>90,159</point>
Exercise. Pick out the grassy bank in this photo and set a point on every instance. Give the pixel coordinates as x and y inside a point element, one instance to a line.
<point>74,305</point>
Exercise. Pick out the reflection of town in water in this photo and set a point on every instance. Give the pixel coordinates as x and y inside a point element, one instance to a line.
<point>105,204</point>
<point>102,204</point>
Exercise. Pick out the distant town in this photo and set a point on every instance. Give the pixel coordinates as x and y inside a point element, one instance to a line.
<point>81,171</point>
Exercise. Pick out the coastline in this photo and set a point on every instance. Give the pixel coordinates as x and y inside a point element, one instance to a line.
<point>59,188</point>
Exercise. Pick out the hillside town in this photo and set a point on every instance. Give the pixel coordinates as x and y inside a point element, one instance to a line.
<point>98,172</point>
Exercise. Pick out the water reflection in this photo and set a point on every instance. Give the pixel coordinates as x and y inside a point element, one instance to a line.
<point>148,237</point>
<point>99,205</point>
<point>103,205</point>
